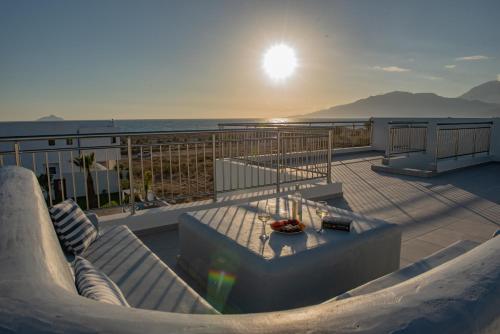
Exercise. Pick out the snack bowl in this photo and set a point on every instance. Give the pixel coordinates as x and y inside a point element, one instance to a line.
<point>290,226</point>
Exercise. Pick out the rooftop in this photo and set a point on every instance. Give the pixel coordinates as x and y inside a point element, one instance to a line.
<point>433,212</point>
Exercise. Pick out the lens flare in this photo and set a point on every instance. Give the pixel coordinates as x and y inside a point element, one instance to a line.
<point>279,62</point>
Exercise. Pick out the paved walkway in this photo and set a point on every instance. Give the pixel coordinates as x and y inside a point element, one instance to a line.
<point>434,212</point>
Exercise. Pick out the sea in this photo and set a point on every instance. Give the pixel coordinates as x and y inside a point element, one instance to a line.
<point>146,125</point>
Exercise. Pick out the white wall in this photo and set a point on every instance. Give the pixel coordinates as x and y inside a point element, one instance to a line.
<point>495,140</point>
<point>62,158</point>
<point>415,160</point>
<point>379,132</point>
<point>233,175</point>
<point>19,129</point>
<point>100,179</point>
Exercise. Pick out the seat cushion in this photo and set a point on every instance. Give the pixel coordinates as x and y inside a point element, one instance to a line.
<point>94,284</point>
<point>75,231</point>
<point>144,279</point>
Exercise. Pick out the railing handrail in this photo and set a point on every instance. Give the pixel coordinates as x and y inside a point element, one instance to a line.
<point>137,133</point>
<point>465,128</point>
<point>406,143</point>
<point>291,124</point>
<point>117,134</point>
<point>458,141</point>
<point>178,164</point>
<point>466,123</point>
<point>403,126</point>
<point>407,122</point>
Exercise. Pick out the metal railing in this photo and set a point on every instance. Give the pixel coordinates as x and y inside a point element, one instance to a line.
<point>406,138</point>
<point>125,169</point>
<point>462,139</point>
<point>345,133</point>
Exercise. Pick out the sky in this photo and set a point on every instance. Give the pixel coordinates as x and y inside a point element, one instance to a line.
<point>102,59</point>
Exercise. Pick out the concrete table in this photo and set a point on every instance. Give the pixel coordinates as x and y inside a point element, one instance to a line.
<point>220,248</point>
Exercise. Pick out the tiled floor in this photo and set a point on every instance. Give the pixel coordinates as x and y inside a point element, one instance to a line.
<point>433,212</point>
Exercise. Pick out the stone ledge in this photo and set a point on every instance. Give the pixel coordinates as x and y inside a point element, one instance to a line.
<point>159,218</point>
<point>403,171</point>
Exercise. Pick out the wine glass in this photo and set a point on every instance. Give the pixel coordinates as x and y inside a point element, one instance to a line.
<point>284,214</point>
<point>322,212</point>
<point>264,216</point>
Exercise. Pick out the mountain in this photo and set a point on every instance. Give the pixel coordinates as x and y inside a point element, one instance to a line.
<point>487,92</point>
<point>404,104</point>
<point>50,118</point>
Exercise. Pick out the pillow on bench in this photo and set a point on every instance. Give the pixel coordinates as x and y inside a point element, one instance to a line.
<point>96,285</point>
<point>72,226</point>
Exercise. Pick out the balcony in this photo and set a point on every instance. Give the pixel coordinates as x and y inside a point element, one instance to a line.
<point>152,183</point>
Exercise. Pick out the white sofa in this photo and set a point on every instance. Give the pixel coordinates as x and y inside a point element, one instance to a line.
<point>37,292</point>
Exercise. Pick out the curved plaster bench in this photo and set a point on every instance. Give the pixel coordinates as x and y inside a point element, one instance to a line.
<point>37,292</point>
<point>145,280</point>
<point>417,268</point>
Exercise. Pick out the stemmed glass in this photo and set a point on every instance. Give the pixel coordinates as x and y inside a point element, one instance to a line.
<point>264,216</point>
<point>322,212</point>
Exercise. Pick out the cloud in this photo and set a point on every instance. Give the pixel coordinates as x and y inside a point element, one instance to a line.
<point>451,66</point>
<point>430,77</point>
<point>476,57</point>
<point>391,69</point>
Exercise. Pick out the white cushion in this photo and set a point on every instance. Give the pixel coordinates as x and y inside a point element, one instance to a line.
<point>72,226</point>
<point>96,285</point>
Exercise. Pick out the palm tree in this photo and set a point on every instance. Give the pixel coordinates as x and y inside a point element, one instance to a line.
<point>87,162</point>
<point>45,182</point>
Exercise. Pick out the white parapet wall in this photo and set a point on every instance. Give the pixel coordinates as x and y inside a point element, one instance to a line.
<point>495,140</point>
<point>233,174</point>
<point>427,160</point>
<point>167,217</point>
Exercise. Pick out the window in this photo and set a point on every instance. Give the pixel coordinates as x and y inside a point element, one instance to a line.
<point>69,141</point>
<point>113,140</point>
<point>52,171</point>
<point>52,142</point>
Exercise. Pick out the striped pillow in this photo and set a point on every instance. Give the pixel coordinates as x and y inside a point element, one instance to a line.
<point>96,285</point>
<point>73,228</point>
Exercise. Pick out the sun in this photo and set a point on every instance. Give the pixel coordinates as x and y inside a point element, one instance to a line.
<point>279,62</point>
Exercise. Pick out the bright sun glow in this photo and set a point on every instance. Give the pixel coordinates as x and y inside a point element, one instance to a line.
<point>279,62</point>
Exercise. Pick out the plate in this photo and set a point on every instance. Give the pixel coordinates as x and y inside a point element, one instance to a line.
<point>288,226</point>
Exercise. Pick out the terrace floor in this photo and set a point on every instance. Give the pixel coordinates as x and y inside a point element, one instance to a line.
<point>433,212</point>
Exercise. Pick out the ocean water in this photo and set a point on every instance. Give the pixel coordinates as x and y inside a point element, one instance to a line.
<point>144,125</point>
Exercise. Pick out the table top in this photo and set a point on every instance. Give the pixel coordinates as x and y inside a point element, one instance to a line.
<point>240,224</point>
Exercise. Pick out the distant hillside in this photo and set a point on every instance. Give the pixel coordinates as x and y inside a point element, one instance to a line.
<point>404,104</point>
<point>487,92</point>
<point>50,118</point>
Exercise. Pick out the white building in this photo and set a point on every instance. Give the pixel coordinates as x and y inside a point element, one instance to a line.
<point>55,156</point>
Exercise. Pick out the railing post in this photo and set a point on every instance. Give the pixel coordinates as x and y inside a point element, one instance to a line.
<point>371,132</point>
<point>489,139</point>
<point>436,148</point>
<point>409,141</point>
<point>474,143</point>
<point>18,157</point>
<point>131,176</point>
<point>329,158</point>
<point>456,143</point>
<point>214,168</point>
<point>389,143</point>
<point>352,134</point>
<point>278,165</point>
